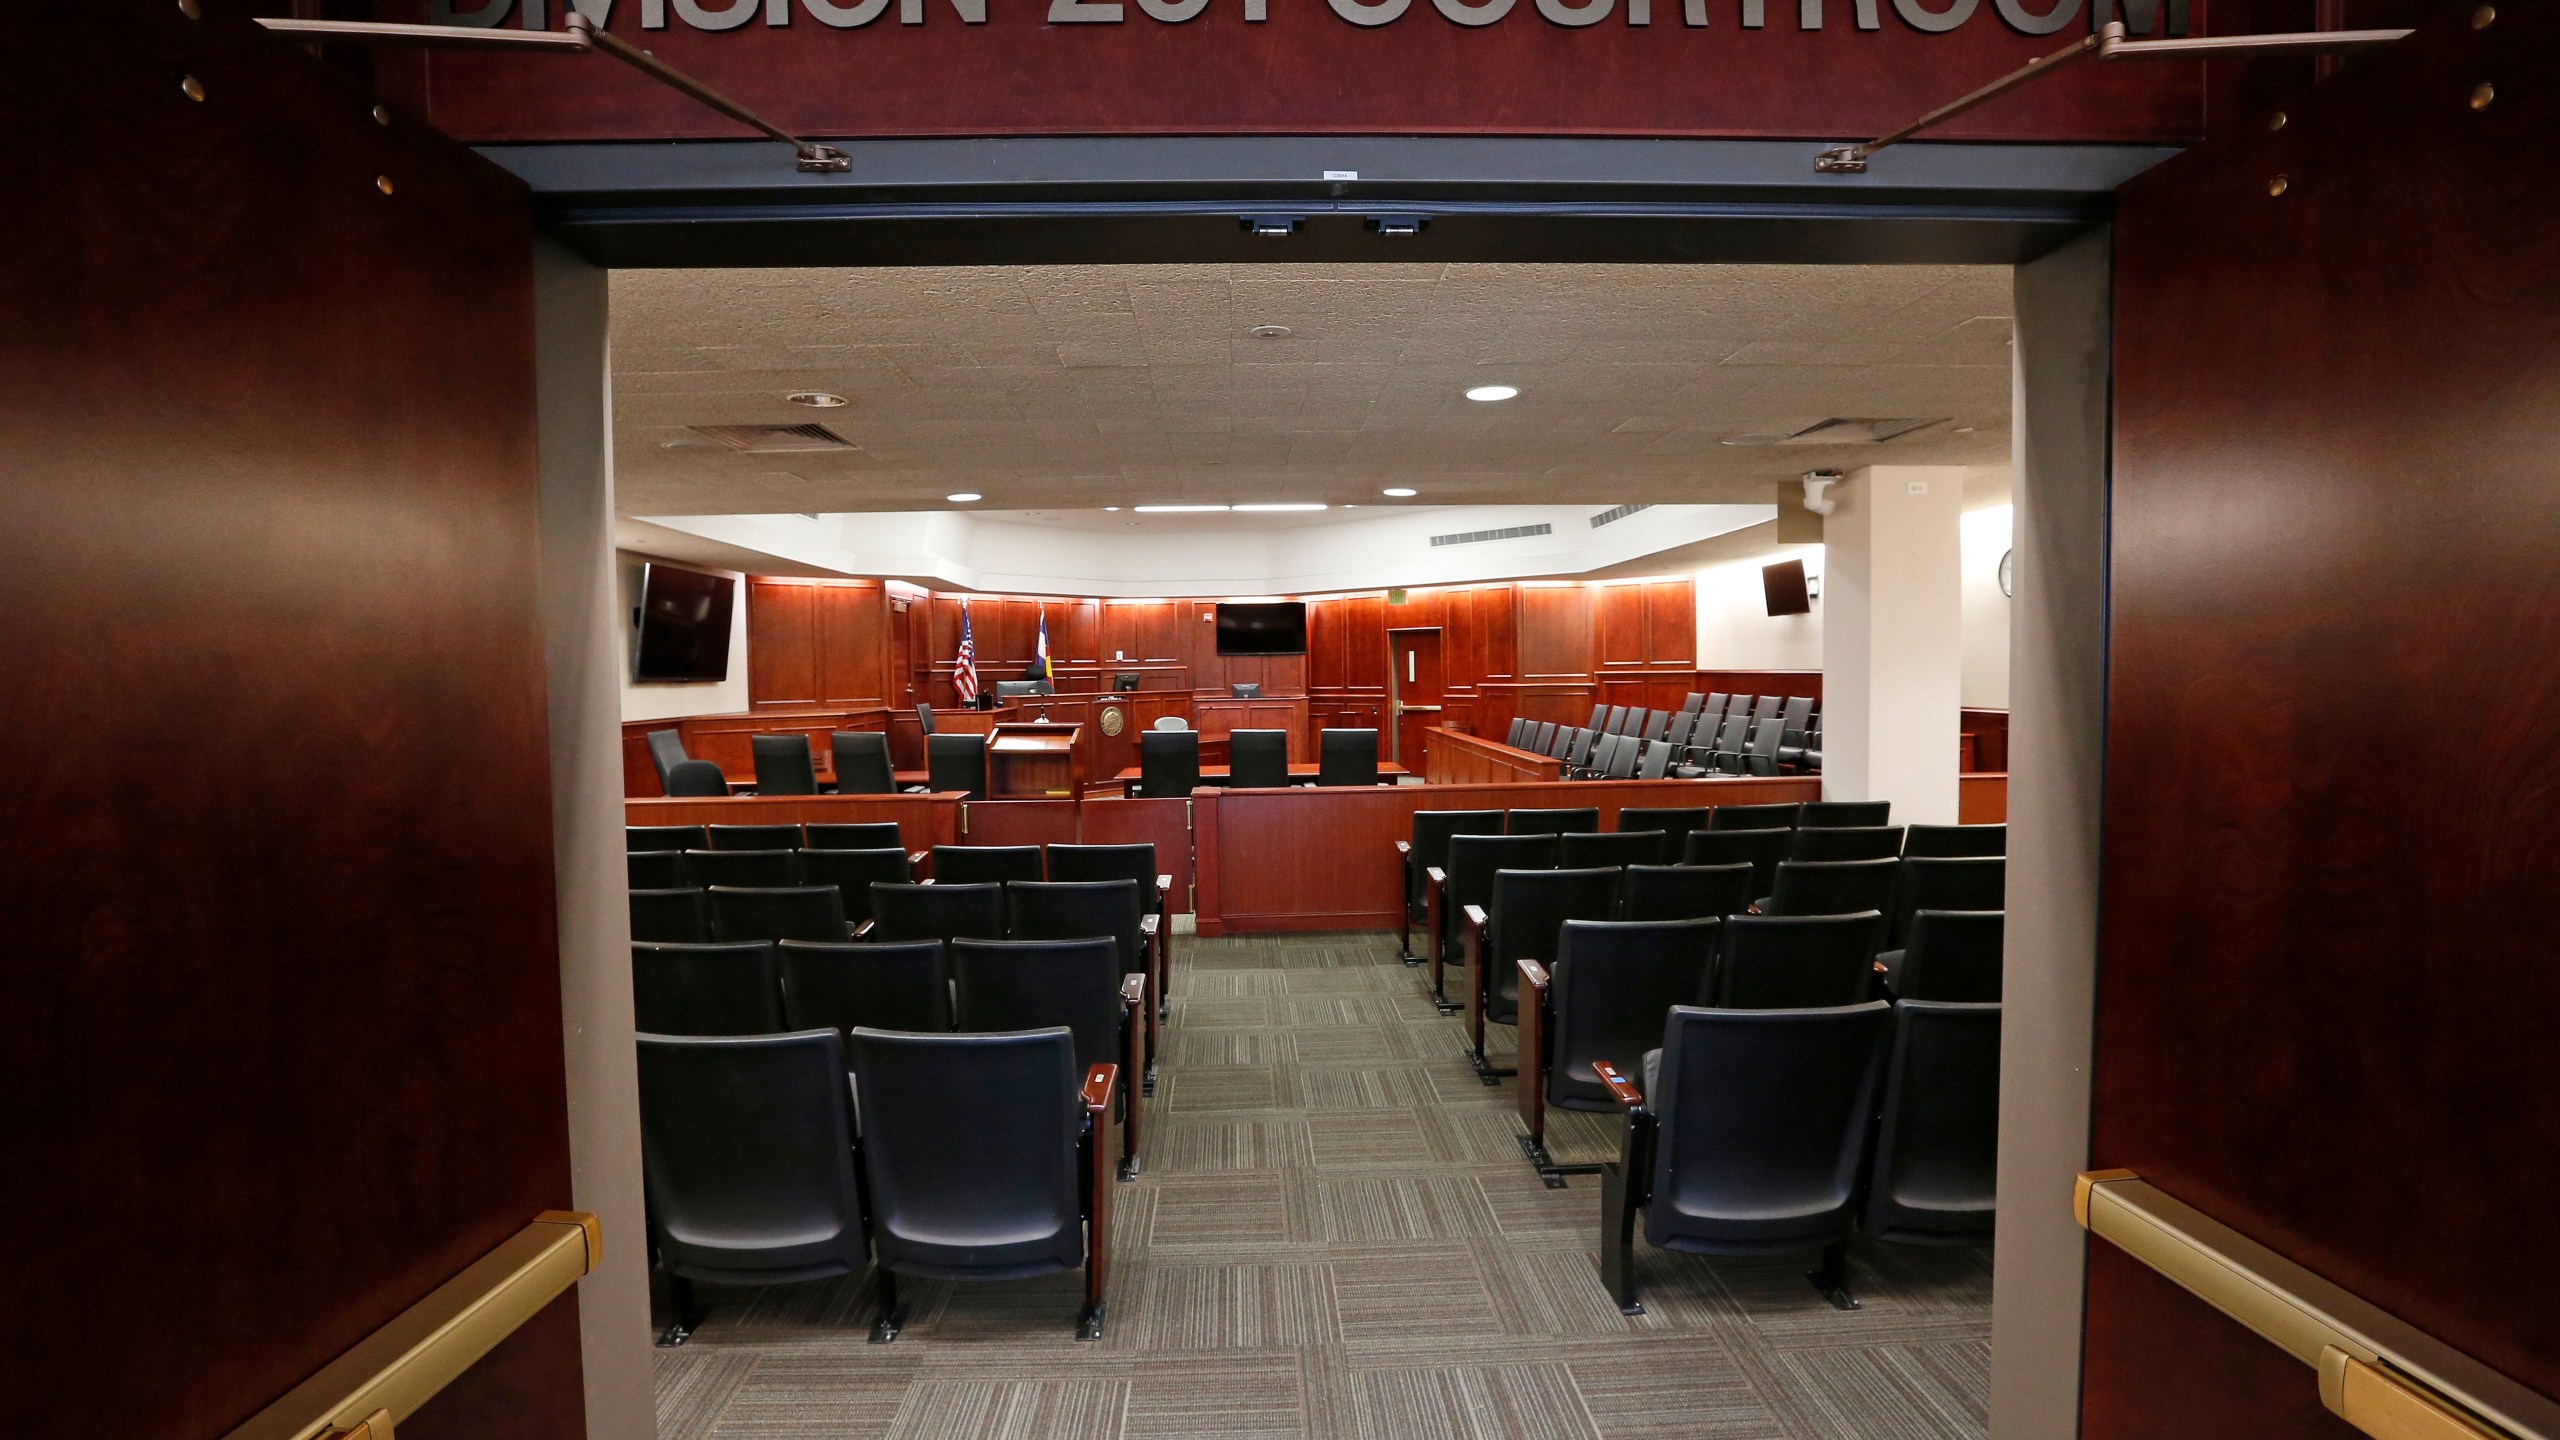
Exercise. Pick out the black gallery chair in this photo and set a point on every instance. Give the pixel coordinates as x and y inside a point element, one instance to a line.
<point>934,912</point>
<point>1754,817</point>
<point>671,917</point>
<point>1851,842</point>
<point>853,873</point>
<point>1001,985</point>
<point>1835,887</point>
<point>1168,764</point>
<point>1950,955</point>
<point>1258,759</point>
<point>985,864</point>
<point>1577,820</point>
<point>743,867</point>
<point>665,837</point>
<point>746,1151</point>
<point>1744,1139</point>
<point>1973,883</point>
<point>862,763</point>
<point>1082,909</point>
<point>956,762</point>
<point>1845,814</point>
<point>1685,892</point>
<point>1427,850</point>
<point>1611,986</point>
<point>984,1157</point>
<point>901,985</point>
<point>1620,848</point>
<point>1674,823</point>
<point>1347,757</point>
<point>1934,1177</point>
<point>695,780</point>
<point>657,870</point>
<point>754,837</point>
<point>784,765</point>
<point>854,835</point>
<point>1523,922</point>
<point>1949,842</point>
<point>1789,962</point>
<point>1468,881</point>
<point>778,912</point>
<point>726,989</point>
<point>1134,862</point>
<point>1759,849</point>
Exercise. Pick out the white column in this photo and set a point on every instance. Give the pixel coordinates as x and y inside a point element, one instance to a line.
<point>1893,642</point>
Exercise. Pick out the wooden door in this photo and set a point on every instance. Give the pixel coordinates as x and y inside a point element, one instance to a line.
<point>283,1044</point>
<point>1413,693</point>
<point>2326,979</point>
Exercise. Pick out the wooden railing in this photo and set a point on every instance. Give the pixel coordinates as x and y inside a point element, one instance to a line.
<point>1453,758</point>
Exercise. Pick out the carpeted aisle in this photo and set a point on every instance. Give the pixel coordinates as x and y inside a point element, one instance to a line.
<point>1336,1236</point>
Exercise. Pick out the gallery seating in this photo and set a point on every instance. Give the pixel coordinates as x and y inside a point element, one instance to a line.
<point>657,870</point>
<point>1428,849</point>
<point>1674,822</point>
<point>1081,909</point>
<point>1844,814</point>
<point>1954,842</point>
<point>1754,817</point>
<point>671,917</point>
<point>1934,1179</point>
<point>1760,849</point>
<point>1616,847</point>
<point>777,912</point>
<point>1972,883</point>
<point>935,912</point>
<point>1949,955</point>
<point>1003,985</point>
<point>1858,842</point>
<point>985,864</point>
<point>743,867</point>
<point>854,872</point>
<point>855,835</point>
<point>1468,881</point>
<point>754,837</point>
<point>1605,995</point>
<point>893,985</point>
<point>1784,962</point>
<point>1135,862</point>
<point>1686,892</point>
<point>1522,920</point>
<point>724,989</point>
<point>1835,887</point>
<point>665,837</point>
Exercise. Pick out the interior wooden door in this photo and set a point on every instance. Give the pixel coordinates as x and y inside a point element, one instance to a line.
<point>1413,690</point>
<point>2326,980</point>
<point>283,1044</point>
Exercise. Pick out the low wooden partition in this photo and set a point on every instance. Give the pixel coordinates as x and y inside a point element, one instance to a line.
<point>923,821</point>
<point>1982,799</point>
<point>1325,859</point>
<point>1164,823</point>
<point>728,740</point>
<point>1453,757</point>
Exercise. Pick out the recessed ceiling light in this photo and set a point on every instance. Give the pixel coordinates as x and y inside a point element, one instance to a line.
<point>1277,509</point>
<point>1397,492</point>
<point>1176,509</point>
<point>1269,332</point>
<point>1964,429</point>
<point>963,497</point>
<point>815,399</point>
<point>1493,392</point>
<point>1112,508</point>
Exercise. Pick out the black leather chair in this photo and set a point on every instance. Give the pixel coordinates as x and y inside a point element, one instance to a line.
<point>1760,849</point>
<point>984,1157</point>
<point>935,912</point>
<point>1466,881</point>
<point>857,835</point>
<point>853,873</point>
<point>1686,892</point>
<point>1785,962</point>
<point>665,837</point>
<point>924,717</point>
<point>729,989</point>
<point>1674,823</point>
<point>695,780</point>
<point>784,765</point>
<point>1977,883</point>
<point>1745,1139</point>
<point>671,917</point>
<point>746,1153</point>
<point>1347,757</point>
<point>1844,814</point>
<point>891,986</point>
<point>956,762</point>
<point>657,870</point>
<point>1950,842</point>
<point>1258,759</point>
<point>1168,764</point>
<point>778,912</point>
<point>766,868</point>
<point>1934,1180</point>
<point>1527,913</point>
<point>1427,850</point>
<point>1754,817</point>
<point>985,864</point>
<point>1861,842</point>
<point>1616,847</point>
<point>666,752</point>
<point>1135,862</point>
<point>1000,985</point>
<point>1581,820</point>
<point>862,763</point>
<point>754,837</point>
<point>1949,955</point>
<point>1082,909</point>
<point>1836,887</point>
<point>1612,985</point>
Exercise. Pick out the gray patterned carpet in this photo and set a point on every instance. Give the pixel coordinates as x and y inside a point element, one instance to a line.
<point>1336,1236</point>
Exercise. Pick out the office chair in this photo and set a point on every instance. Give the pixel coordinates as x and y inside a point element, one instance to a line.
<point>1794,723</point>
<point>862,763</point>
<point>1517,736</point>
<point>1675,823</point>
<point>853,873</point>
<point>666,752</point>
<point>1347,757</point>
<point>1754,817</point>
<point>1599,714</point>
<point>1760,849</point>
<point>935,912</point>
<point>1542,738</point>
<point>746,1155</point>
<point>1976,883</point>
<point>671,917</point>
<point>1560,745</point>
<point>924,717</point>
<point>1001,985</point>
<point>695,779</point>
<point>1762,757</point>
<point>1656,762</point>
<point>726,989</point>
<point>1467,882</point>
<point>1612,985</point>
<point>956,762</point>
<point>1744,1139</point>
<point>658,870</point>
<point>1527,913</point>
<point>1934,1177</point>
<point>1844,814</point>
<point>778,912</point>
<point>754,837</point>
<point>898,985</point>
<point>1618,848</point>
<point>1428,849</point>
<point>1731,744</point>
<point>1685,892</point>
<point>784,765</point>
<point>855,835</point>
<point>985,864</point>
<point>1943,842</point>
<point>1862,842</point>
<point>1948,955</point>
<point>1258,759</point>
<point>1622,765</point>
<point>1582,820</point>
<point>767,868</point>
<point>983,1155</point>
<point>1657,725</point>
<point>1690,702</point>
<point>1786,962</point>
<point>1168,764</point>
<point>665,837</point>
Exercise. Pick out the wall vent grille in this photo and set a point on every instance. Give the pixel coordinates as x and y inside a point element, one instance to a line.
<point>1478,537</point>
<point>1611,517</point>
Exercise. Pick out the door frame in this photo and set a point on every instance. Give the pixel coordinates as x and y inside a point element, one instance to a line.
<point>1395,688</point>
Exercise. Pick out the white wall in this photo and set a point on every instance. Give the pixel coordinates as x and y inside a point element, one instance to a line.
<point>1736,630</point>
<point>658,700</point>
<point>1986,538</point>
<point>1892,644</point>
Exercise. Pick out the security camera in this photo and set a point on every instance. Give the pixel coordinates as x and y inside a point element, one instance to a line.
<point>1817,486</point>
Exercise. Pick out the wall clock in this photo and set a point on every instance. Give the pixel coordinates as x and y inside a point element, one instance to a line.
<point>2009,573</point>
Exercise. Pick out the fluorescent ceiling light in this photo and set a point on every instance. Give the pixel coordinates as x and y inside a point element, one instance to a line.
<point>962,498</point>
<point>1176,509</point>
<point>1493,392</point>
<point>1276,509</point>
<point>1397,492</point>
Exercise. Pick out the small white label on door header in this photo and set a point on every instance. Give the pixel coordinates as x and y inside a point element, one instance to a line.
<point>1919,487</point>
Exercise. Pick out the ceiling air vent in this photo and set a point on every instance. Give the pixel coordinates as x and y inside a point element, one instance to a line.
<point>1857,432</point>
<point>776,439</point>
<point>1478,537</point>
<point>1611,517</point>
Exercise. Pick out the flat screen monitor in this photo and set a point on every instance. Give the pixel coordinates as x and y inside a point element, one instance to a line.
<point>684,624</point>
<point>1783,584</point>
<point>1278,628</point>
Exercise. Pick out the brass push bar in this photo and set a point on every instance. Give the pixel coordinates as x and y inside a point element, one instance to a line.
<point>582,37</point>
<point>2110,43</point>
<point>2377,1372</point>
<point>380,1383</point>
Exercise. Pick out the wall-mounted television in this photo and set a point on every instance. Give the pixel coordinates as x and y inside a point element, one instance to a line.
<point>1784,585</point>
<point>1277,628</point>
<point>684,624</point>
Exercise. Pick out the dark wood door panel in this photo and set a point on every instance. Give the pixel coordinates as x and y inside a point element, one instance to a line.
<point>2325,983</point>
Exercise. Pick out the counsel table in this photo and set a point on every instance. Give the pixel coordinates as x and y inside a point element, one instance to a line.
<point>1217,774</point>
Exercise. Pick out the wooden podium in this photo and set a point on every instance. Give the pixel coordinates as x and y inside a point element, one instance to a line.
<point>1035,760</point>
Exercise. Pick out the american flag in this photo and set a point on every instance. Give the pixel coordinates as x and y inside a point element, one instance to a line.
<point>964,677</point>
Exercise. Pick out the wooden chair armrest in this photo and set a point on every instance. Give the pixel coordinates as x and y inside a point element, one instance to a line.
<point>863,930</point>
<point>917,858</point>
<point>1621,1089</point>
<point>1434,875</point>
<point>1405,848</point>
<point>1133,989</point>
<point>1164,887</point>
<point>1533,976</point>
<point>1148,924</point>
<point>1475,919</point>
<point>1099,1082</point>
